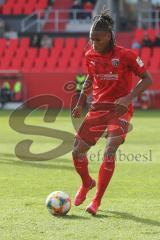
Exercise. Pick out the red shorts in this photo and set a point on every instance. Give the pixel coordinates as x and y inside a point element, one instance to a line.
<point>98,123</point>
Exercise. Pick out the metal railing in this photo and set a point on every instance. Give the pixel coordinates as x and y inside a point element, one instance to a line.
<point>149,19</point>
<point>55,18</point>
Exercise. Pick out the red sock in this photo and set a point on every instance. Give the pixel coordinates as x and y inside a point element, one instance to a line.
<point>81,166</point>
<point>105,174</point>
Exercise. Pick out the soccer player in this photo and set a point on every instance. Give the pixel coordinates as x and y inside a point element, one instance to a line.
<point>109,78</point>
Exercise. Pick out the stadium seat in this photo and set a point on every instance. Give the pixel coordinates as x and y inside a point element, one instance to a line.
<point>21,52</point>
<point>24,42</point>
<point>42,4</point>
<point>16,63</point>
<point>59,42</point>
<point>7,9</point>
<point>32,53</point>
<point>70,42</point>
<point>151,33</point>
<point>28,65</point>
<point>55,53</point>
<point>75,65</point>
<point>39,64</point>
<point>139,32</point>
<point>2,45</point>
<point>29,59</point>
<point>155,60</point>
<point>44,53</point>
<point>51,64</point>
<point>81,43</point>
<point>6,61</point>
<point>18,59</point>
<point>29,7</point>
<point>14,43</point>
<point>83,65</point>
<point>19,9</point>
<point>145,55</point>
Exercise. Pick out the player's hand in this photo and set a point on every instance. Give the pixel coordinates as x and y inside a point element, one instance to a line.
<point>121,104</point>
<point>76,112</point>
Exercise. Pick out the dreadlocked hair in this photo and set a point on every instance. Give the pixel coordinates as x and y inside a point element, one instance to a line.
<point>104,22</point>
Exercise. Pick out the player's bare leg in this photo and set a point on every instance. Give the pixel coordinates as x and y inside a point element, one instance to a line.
<point>105,172</point>
<point>81,165</point>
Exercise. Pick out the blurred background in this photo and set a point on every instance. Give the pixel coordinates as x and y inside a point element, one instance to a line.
<point>42,46</point>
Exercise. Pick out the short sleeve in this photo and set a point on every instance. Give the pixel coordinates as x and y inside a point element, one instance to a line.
<point>135,63</point>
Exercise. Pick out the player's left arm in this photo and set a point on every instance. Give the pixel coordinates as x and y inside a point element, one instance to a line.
<point>136,65</point>
<point>142,85</point>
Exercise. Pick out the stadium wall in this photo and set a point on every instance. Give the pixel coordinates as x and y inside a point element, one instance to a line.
<point>49,83</point>
<point>62,85</point>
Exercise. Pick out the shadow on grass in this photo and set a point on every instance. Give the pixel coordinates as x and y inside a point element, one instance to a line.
<point>11,159</point>
<point>101,216</point>
<point>74,217</point>
<point>128,216</point>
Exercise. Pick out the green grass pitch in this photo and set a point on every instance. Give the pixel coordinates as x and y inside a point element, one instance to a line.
<point>130,209</point>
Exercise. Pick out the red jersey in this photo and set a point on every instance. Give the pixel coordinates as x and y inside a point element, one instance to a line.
<point>112,72</point>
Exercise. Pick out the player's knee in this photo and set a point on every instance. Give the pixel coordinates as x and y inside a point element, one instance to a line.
<point>110,151</point>
<point>75,153</point>
<point>111,148</point>
<point>78,154</point>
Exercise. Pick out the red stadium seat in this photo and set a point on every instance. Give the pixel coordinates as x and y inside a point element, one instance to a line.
<point>9,52</point>
<point>151,33</point>
<point>59,42</point>
<point>32,53</point>
<point>21,51</point>
<point>16,63</point>
<point>18,9</point>
<point>77,54</point>
<point>2,45</point>
<point>28,65</point>
<point>51,64</point>
<point>24,42</point>
<point>81,42</point>
<point>155,60</point>
<point>29,7</point>
<point>6,60</point>
<point>65,58</point>
<point>55,52</point>
<point>23,6</point>
<point>41,4</point>
<point>29,59</point>
<point>70,43</point>
<point>139,34</point>
<point>39,64</point>
<point>145,55</point>
<point>83,66</point>
<point>44,52</point>
<point>7,8</point>
<point>14,43</point>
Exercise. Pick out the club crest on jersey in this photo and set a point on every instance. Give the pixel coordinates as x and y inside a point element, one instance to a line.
<point>115,62</point>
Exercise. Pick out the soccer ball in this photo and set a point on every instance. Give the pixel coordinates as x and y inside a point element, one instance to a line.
<point>58,203</point>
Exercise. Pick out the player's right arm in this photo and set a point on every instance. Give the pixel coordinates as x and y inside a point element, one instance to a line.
<point>86,90</point>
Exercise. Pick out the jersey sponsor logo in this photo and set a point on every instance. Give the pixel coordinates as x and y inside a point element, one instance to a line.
<point>115,62</point>
<point>139,61</point>
<point>107,76</point>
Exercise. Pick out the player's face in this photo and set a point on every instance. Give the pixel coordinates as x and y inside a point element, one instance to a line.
<point>100,41</point>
